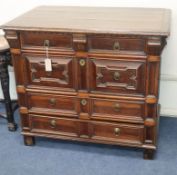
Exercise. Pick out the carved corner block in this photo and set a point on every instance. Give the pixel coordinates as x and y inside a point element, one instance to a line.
<point>12,38</point>
<point>80,42</point>
<point>155,45</point>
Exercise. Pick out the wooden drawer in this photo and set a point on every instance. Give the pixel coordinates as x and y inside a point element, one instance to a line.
<point>90,130</point>
<point>44,124</point>
<point>119,77</point>
<point>118,110</point>
<point>37,40</point>
<point>61,76</point>
<point>52,104</point>
<point>122,133</point>
<point>115,44</point>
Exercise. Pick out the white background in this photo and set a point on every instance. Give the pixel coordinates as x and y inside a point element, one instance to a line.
<point>10,9</point>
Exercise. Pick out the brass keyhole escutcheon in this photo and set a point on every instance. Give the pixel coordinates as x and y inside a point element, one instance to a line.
<point>53,123</point>
<point>48,73</point>
<point>52,101</point>
<point>116,76</point>
<point>117,107</point>
<point>82,62</point>
<point>33,77</point>
<point>46,43</point>
<point>83,102</point>
<point>116,46</point>
<point>117,131</point>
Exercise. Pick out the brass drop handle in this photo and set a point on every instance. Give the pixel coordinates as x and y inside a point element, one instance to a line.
<point>52,101</point>
<point>53,123</point>
<point>48,73</point>
<point>82,62</point>
<point>116,46</point>
<point>83,102</point>
<point>116,76</point>
<point>117,131</point>
<point>117,107</point>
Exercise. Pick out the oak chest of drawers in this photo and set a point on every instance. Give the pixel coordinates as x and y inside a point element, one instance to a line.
<point>101,81</point>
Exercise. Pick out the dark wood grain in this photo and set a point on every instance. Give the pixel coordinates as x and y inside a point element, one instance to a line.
<point>118,110</point>
<point>93,130</point>
<point>56,40</point>
<point>108,43</point>
<point>104,83</point>
<point>62,73</point>
<point>146,21</point>
<point>52,104</point>
<point>118,76</point>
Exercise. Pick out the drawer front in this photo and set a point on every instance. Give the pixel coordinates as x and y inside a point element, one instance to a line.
<point>54,104</point>
<point>61,75</point>
<point>118,132</point>
<point>115,44</point>
<point>92,130</point>
<point>125,110</point>
<point>118,76</point>
<point>53,125</point>
<point>37,40</point>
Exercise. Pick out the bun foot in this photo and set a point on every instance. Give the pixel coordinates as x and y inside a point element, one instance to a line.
<point>29,140</point>
<point>149,154</point>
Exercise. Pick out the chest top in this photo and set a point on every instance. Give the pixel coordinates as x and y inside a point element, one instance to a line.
<point>144,21</point>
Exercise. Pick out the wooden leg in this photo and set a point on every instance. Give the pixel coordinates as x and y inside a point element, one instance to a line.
<point>149,154</point>
<point>29,140</point>
<point>4,76</point>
